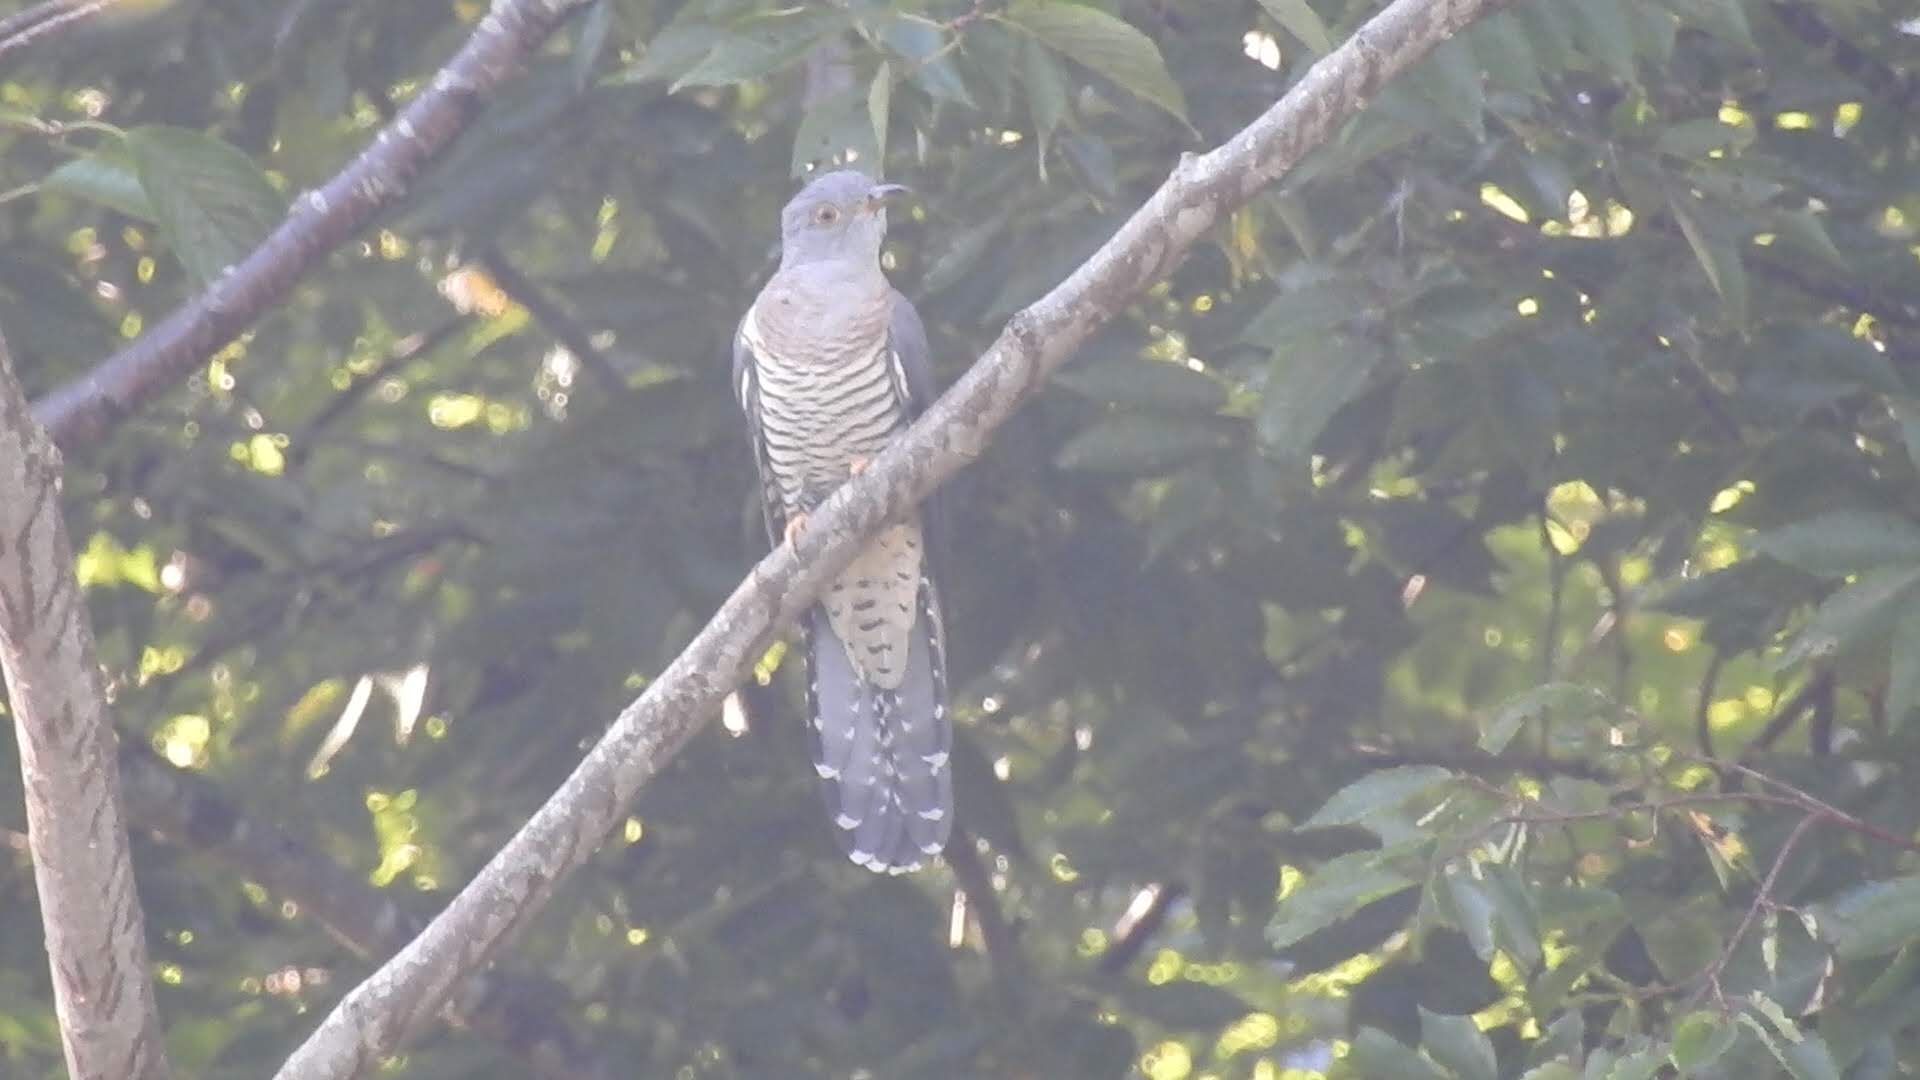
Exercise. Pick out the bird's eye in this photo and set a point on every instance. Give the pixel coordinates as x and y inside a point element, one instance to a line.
<point>826,215</point>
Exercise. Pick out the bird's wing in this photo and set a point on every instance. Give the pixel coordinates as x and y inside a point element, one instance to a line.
<point>746,388</point>
<point>913,383</point>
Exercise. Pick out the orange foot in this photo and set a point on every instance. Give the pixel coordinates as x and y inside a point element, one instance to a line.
<point>796,525</point>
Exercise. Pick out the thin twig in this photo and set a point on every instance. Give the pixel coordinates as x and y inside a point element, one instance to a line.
<point>42,21</point>
<point>319,221</point>
<point>1708,978</point>
<point>556,319</point>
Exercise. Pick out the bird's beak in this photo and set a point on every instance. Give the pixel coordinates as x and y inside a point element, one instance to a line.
<point>882,192</point>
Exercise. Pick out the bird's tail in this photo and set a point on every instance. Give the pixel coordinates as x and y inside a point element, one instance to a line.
<point>882,754</point>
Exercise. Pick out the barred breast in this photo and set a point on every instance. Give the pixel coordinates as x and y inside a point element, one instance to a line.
<point>824,405</point>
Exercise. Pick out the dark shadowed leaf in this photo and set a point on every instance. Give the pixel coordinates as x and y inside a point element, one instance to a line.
<point>1332,891</point>
<point>1306,385</point>
<point>1376,1053</point>
<point>1843,542</point>
<point>1864,609</point>
<point>1300,20</point>
<point>1457,1043</point>
<point>1138,443</point>
<point>1147,383</point>
<point>1108,45</point>
<point>1872,919</point>
<point>105,176</point>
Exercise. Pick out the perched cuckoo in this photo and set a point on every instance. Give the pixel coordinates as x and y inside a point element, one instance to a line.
<point>830,364</point>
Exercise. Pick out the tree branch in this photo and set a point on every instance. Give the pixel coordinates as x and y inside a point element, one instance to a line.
<point>320,221</point>
<point>382,1012</point>
<point>548,312</point>
<point>185,809</point>
<point>96,932</point>
<point>41,21</point>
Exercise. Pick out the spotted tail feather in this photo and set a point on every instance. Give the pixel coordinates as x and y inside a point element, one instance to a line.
<point>883,755</point>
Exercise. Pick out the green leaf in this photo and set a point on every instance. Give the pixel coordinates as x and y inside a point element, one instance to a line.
<point>1552,1070</point>
<point>1490,906</point>
<point>1136,443</point>
<point>1719,259</point>
<point>1305,310</point>
<point>1376,793</point>
<point>1724,19</point>
<point>762,46</point>
<point>1376,1053</point>
<point>880,110</point>
<point>1698,137</point>
<point>1860,611</point>
<point>1300,20</point>
<point>1500,46</point>
<point>1307,384</point>
<point>929,61</point>
<point>1643,1064</point>
<point>1563,1041</point>
<point>1804,1053</point>
<point>1108,45</point>
<point>1873,919</point>
<point>1699,1039</point>
<point>1046,93</point>
<point>106,177</point>
<point>1605,33</point>
<point>1803,232</point>
<point>213,204</point>
<point>1842,542</point>
<point>840,128</point>
<point>1572,699</point>
<point>672,53</point>
<point>1338,888</point>
<point>1156,384</point>
<point>1458,1044</point>
<point>1903,683</point>
<point>1907,411</point>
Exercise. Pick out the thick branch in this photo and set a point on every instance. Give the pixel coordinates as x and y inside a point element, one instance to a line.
<point>320,221</point>
<point>382,1012</point>
<point>184,809</point>
<point>96,933</point>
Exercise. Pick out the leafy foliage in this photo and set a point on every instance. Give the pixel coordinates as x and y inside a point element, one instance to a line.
<point>1462,624</point>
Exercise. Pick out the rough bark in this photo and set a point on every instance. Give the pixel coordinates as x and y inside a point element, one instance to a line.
<point>381,1013</point>
<point>96,932</point>
<point>320,221</point>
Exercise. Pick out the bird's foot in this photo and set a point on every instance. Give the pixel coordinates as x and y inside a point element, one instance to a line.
<point>796,524</point>
<point>858,465</point>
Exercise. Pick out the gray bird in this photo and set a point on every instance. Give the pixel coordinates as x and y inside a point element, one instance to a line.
<point>830,364</point>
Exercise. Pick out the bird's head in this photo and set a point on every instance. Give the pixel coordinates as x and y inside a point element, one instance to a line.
<point>839,215</point>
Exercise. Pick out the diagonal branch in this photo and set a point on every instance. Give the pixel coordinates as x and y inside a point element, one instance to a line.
<point>520,1014</point>
<point>96,932</point>
<point>319,221</point>
<point>377,1016</point>
<point>42,21</point>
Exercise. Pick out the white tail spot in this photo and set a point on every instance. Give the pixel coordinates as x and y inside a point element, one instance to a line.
<point>936,760</point>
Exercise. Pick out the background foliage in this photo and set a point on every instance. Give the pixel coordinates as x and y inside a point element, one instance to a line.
<point>1485,584</point>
